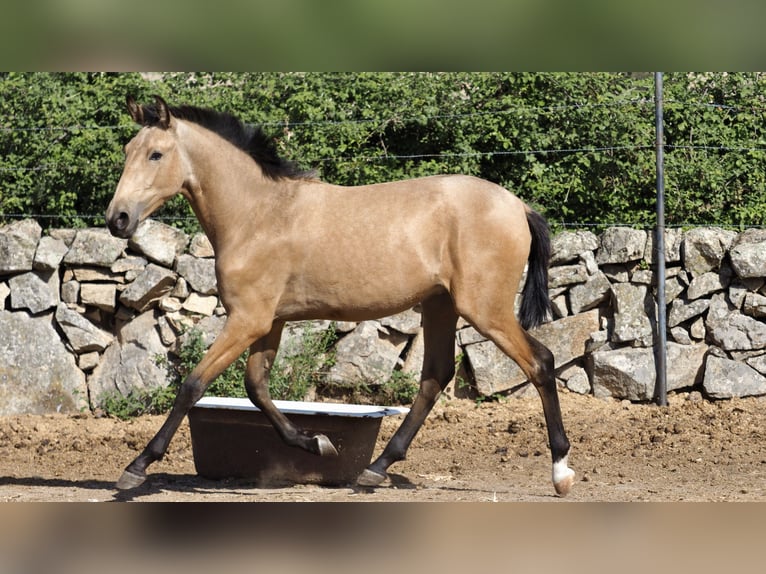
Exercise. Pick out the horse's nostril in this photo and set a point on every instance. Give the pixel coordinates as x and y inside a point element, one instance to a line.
<point>122,221</point>
<point>119,224</point>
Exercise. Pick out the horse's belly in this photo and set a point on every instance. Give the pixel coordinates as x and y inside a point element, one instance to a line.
<point>354,301</point>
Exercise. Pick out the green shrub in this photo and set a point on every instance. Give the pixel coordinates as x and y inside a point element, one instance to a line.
<point>400,389</point>
<point>292,377</point>
<point>578,146</point>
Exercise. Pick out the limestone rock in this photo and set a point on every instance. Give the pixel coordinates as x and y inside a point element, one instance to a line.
<point>569,245</point>
<point>200,304</point>
<point>706,284</point>
<point>567,337</point>
<point>209,327</point>
<point>151,285</point>
<point>755,305</point>
<point>621,245</point>
<point>567,275</point>
<point>65,235</point>
<point>642,277</point>
<point>129,364</point>
<point>37,374</point>
<point>697,329</point>
<point>590,294</point>
<point>680,335</point>
<point>681,310</point>
<point>704,248</point>
<point>630,373</point>
<point>413,363</point>
<point>366,355</point>
<point>18,243</point>
<point>559,307</point>
<point>633,307</point>
<point>50,252</point>
<point>493,371</point>
<point>100,295</point>
<point>294,333</point>
<point>199,274</point>
<point>181,289</point>
<point>468,335</point>
<point>88,361</point>
<point>200,246</point>
<point>130,263</point>
<point>407,322</point>
<point>674,286</point>
<point>589,260</point>
<point>748,253</point>
<point>576,380</point>
<point>758,363</point>
<point>95,247</point>
<point>82,335</point>
<point>673,241</point>
<point>737,294</point>
<point>738,332</point>
<point>725,379</point>
<point>35,291</point>
<point>718,310</point>
<point>83,274</point>
<point>159,242</point>
<point>70,292</point>
<point>4,292</point>
<point>170,304</point>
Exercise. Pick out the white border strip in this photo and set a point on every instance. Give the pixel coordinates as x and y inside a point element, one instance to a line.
<point>303,407</point>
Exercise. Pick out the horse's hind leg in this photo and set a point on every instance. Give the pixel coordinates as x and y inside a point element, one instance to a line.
<point>537,363</point>
<point>439,321</point>
<point>259,363</point>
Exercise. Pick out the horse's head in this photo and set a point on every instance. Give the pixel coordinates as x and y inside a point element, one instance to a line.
<point>154,168</point>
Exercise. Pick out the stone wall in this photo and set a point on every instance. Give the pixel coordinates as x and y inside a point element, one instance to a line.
<point>84,314</point>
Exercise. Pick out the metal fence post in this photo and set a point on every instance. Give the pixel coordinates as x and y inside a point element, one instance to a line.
<point>660,340</point>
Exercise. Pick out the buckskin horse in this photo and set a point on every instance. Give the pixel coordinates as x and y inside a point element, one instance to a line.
<point>290,247</point>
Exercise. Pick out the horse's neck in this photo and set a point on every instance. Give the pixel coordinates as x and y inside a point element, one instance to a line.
<point>226,190</point>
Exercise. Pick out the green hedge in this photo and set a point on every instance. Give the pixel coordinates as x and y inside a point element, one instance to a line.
<point>580,147</point>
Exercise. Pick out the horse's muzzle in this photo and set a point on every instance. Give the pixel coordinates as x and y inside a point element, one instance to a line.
<point>120,225</point>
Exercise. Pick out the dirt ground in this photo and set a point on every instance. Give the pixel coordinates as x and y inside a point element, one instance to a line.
<point>692,450</point>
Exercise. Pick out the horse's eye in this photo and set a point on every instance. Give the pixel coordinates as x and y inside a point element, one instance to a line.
<point>156,156</point>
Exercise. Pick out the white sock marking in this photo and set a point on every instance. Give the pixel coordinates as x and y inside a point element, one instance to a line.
<point>561,470</point>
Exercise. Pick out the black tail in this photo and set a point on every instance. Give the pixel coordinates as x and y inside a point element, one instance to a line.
<point>535,304</point>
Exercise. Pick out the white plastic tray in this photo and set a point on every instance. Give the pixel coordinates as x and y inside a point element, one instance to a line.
<point>304,407</point>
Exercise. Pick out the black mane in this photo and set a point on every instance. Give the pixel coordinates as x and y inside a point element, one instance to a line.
<point>250,139</point>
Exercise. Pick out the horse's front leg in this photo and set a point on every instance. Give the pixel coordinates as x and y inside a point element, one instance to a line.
<point>232,342</point>
<point>259,363</point>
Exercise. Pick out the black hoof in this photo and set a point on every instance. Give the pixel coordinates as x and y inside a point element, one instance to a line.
<point>324,446</point>
<point>130,480</point>
<point>370,478</point>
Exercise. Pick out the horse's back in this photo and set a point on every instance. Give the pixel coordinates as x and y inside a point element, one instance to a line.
<point>423,213</point>
<point>451,198</point>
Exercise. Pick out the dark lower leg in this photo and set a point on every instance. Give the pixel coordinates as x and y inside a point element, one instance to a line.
<point>259,363</point>
<point>545,383</point>
<point>439,321</point>
<point>135,473</point>
<point>227,347</point>
<point>397,446</point>
<point>544,380</point>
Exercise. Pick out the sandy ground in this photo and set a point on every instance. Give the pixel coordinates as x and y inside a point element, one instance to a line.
<point>692,450</point>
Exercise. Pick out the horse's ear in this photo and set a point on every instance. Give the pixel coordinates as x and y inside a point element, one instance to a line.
<point>135,111</point>
<point>163,112</point>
